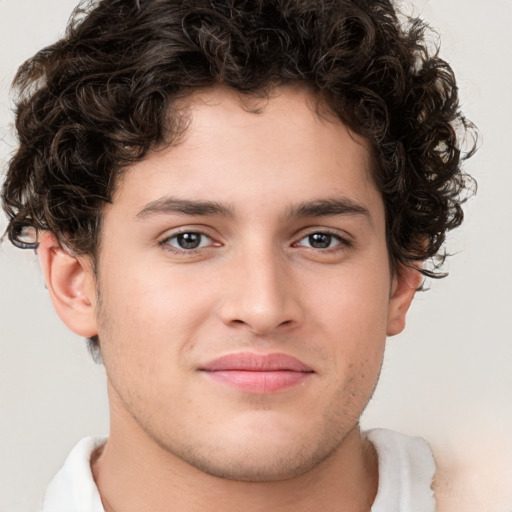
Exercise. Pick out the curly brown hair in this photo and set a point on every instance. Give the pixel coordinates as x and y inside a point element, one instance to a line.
<point>103,96</point>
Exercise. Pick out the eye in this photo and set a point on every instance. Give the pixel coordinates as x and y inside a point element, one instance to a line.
<point>321,241</point>
<point>188,241</point>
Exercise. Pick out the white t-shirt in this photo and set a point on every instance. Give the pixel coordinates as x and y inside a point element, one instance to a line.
<point>406,472</point>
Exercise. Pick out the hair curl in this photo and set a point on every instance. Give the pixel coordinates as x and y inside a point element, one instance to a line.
<point>101,97</point>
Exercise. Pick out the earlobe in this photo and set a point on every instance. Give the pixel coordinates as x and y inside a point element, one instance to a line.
<point>405,284</point>
<point>70,282</point>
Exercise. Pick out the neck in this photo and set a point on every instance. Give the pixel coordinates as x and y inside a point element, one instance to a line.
<point>134,473</point>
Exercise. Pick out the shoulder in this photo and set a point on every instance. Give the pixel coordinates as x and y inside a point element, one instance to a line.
<point>406,472</point>
<point>473,478</point>
<point>73,487</point>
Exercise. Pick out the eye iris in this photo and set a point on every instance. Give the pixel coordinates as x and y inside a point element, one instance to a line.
<point>189,240</point>
<point>320,240</point>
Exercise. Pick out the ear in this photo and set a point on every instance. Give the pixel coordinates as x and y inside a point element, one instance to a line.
<point>405,284</point>
<point>71,283</point>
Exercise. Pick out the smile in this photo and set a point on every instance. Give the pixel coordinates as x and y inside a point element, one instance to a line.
<point>258,373</point>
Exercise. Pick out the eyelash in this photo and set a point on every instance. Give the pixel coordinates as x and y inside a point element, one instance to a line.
<point>165,243</point>
<point>343,243</point>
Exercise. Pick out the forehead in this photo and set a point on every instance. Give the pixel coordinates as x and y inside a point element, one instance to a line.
<point>285,147</point>
<point>289,113</point>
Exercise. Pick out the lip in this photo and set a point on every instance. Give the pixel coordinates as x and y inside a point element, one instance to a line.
<point>258,373</point>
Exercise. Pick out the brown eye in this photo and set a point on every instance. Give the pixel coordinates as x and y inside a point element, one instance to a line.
<point>320,241</point>
<point>189,241</point>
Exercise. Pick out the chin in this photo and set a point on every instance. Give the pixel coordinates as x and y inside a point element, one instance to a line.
<point>261,457</point>
<point>246,467</point>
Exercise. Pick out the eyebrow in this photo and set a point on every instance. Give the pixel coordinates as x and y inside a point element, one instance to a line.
<point>327,207</point>
<point>317,208</point>
<point>170,205</point>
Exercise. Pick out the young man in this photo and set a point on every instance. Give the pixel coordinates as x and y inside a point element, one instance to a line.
<point>235,202</point>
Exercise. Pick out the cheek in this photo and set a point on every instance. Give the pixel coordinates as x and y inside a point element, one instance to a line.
<point>351,312</point>
<point>154,297</point>
<point>152,319</point>
<point>354,304</point>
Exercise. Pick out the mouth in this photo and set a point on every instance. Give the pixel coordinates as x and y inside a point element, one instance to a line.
<point>258,373</point>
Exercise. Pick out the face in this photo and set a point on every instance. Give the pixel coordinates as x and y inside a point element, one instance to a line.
<point>245,288</point>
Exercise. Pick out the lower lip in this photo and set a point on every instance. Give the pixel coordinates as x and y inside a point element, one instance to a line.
<point>263,382</point>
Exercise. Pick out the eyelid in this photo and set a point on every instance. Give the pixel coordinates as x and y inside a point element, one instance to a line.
<point>200,230</point>
<point>202,237</point>
<point>344,238</point>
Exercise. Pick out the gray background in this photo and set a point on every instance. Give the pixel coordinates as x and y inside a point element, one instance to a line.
<point>447,378</point>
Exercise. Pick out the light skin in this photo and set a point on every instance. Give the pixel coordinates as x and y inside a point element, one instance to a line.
<point>258,234</point>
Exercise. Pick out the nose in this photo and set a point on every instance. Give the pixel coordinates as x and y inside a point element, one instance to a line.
<point>261,294</point>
